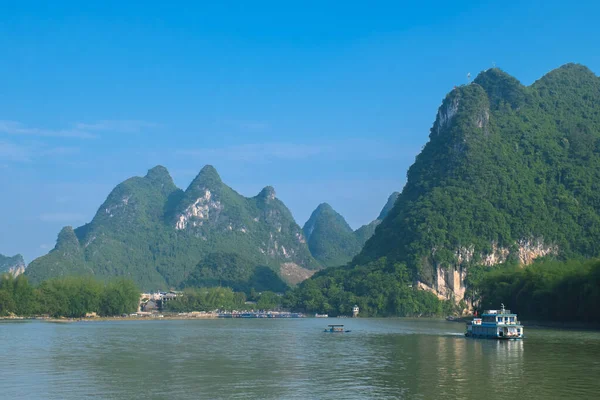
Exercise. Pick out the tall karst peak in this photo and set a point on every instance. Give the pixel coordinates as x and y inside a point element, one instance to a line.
<point>388,205</point>
<point>137,200</point>
<point>267,193</point>
<point>325,217</point>
<point>466,105</point>
<point>159,235</point>
<point>569,81</point>
<point>324,207</point>
<point>159,174</point>
<point>577,70</point>
<point>207,177</point>
<point>501,87</point>
<point>330,239</point>
<point>67,238</point>
<point>203,200</point>
<point>474,198</point>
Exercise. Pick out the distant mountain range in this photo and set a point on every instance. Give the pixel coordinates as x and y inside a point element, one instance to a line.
<point>332,241</point>
<point>14,265</point>
<point>208,235</point>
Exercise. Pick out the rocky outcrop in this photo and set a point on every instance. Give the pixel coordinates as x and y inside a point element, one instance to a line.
<point>294,274</point>
<point>449,280</point>
<point>155,233</point>
<point>529,250</point>
<point>446,113</point>
<point>198,212</point>
<point>12,265</point>
<point>16,271</point>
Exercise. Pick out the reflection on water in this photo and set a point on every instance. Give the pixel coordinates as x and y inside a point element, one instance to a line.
<point>274,359</point>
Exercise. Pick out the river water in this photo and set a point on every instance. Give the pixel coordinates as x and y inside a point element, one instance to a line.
<point>291,359</point>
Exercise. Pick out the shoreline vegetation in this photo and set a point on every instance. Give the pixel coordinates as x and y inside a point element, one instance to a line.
<point>70,297</point>
<point>547,293</point>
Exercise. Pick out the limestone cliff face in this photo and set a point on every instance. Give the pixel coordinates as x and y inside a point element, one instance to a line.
<point>199,212</point>
<point>159,235</point>
<point>449,280</point>
<point>12,265</point>
<point>448,283</point>
<point>16,271</point>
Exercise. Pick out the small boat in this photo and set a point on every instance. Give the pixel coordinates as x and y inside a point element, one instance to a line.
<point>495,324</point>
<point>317,315</point>
<point>335,329</point>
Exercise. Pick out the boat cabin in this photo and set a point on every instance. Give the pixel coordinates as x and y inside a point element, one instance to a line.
<point>496,324</point>
<point>335,328</point>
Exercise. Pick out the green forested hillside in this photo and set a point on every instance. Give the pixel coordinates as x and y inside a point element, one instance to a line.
<point>332,241</point>
<point>329,237</point>
<point>160,236</point>
<point>379,288</point>
<point>510,173</point>
<point>505,164</point>
<point>547,290</point>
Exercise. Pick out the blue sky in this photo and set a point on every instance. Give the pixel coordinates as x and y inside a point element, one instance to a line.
<point>325,101</point>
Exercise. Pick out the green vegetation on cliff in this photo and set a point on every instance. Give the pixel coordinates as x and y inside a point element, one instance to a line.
<point>162,237</point>
<point>379,288</point>
<point>543,291</point>
<point>234,271</point>
<point>510,173</point>
<point>331,240</point>
<point>507,166</point>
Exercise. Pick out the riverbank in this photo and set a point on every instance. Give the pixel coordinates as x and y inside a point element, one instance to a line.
<point>146,316</point>
<point>155,317</point>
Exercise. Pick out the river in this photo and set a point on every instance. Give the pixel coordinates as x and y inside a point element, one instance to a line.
<point>291,359</point>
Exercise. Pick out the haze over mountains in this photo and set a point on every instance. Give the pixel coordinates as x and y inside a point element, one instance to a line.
<point>208,235</point>
<point>510,173</point>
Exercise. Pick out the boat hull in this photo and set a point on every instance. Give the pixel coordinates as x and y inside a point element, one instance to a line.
<point>470,335</point>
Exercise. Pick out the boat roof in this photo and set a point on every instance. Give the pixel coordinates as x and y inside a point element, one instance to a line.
<point>335,325</point>
<point>507,313</point>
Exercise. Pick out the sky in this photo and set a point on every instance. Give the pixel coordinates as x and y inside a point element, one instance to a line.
<point>326,101</point>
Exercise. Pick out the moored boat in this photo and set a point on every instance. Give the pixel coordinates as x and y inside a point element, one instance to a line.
<point>495,324</point>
